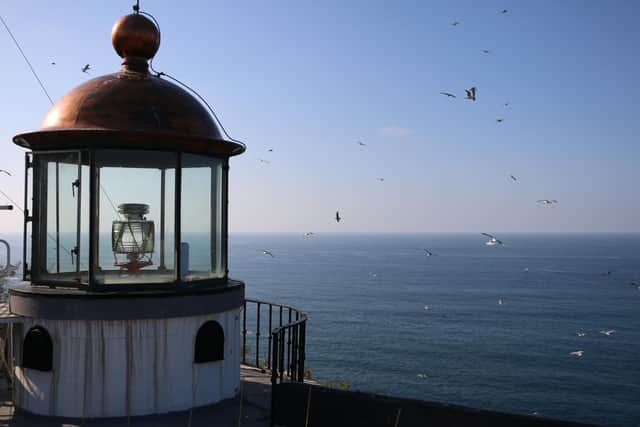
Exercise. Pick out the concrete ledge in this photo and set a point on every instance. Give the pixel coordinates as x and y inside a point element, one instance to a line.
<point>298,404</point>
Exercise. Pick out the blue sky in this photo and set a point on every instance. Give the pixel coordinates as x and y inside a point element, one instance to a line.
<point>310,79</point>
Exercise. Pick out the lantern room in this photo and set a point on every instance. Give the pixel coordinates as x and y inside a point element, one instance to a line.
<point>126,304</point>
<point>129,180</point>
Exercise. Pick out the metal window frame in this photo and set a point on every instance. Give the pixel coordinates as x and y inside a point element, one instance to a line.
<point>31,160</point>
<point>36,219</point>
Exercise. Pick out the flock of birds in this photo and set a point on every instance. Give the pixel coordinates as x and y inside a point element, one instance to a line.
<point>470,94</point>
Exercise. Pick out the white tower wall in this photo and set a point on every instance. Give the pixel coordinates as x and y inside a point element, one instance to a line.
<point>115,368</point>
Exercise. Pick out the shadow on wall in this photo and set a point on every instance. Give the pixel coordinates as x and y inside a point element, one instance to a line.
<point>298,404</point>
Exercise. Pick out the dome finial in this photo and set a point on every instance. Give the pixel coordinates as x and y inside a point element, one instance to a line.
<point>136,39</point>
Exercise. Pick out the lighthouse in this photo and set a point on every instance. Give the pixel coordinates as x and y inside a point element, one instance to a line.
<point>127,308</point>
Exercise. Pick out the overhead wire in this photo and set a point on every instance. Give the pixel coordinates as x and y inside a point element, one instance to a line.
<point>136,8</point>
<point>44,89</point>
<point>33,71</point>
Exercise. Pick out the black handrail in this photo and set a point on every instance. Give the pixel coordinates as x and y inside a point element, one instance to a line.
<point>285,343</point>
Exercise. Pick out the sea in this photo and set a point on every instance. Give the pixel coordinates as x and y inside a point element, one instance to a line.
<point>490,327</point>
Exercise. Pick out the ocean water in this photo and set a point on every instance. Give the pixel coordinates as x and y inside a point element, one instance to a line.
<point>388,319</point>
<point>366,296</point>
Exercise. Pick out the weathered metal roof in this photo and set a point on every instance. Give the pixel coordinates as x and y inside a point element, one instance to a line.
<point>131,108</point>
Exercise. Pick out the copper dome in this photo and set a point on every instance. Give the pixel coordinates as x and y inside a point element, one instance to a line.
<point>131,108</point>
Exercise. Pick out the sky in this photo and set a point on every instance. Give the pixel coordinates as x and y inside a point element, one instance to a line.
<point>311,79</point>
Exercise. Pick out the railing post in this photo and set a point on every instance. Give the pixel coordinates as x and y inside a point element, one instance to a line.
<point>244,333</point>
<point>301,356</point>
<point>295,350</point>
<point>294,353</point>
<point>274,374</point>
<point>270,337</point>
<point>289,346</point>
<point>258,336</point>
<point>281,355</point>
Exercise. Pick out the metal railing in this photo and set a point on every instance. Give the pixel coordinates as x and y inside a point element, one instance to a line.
<point>284,341</point>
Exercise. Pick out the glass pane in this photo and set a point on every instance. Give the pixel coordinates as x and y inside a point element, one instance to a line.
<point>59,255</point>
<point>201,218</point>
<point>135,217</point>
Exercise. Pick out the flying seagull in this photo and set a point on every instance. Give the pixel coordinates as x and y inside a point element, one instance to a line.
<point>309,233</point>
<point>485,51</point>
<point>499,120</point>
<point>455,23</point>
<point>578,353</point>
<point>582,334</point>
<point>506,104</point>
<point>470,94</point>
<point>547,201</point>
<point>266,252</point>
<point>86,68</point>
<point>270,150</point>
<point>492,240</point>
<point>338,216</point>
<point>450,95</point>
<point>608,333</point>
<point>264,161</point>
<point>380,179</point>
<point>513,177</point>
<point>362,144</point>
<point>428,252</point>
<point>4,171</point>
<point>53,63</point>
<point>504,11</point>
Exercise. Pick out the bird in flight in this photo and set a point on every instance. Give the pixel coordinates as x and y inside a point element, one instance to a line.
<point>492,240</point>
<point>485,51</point>
<point>266,252</point>
<point>450,95</point>
<point>428,252</point>
<point>362,144</point>
<point>582,334</point>
<point>53,63</point>
<point>4,171</point>
<point>578,353</point>
<point>513,177</point>
<point>504,11</point>
<point>264,161</point>
<point>270,150</point>
<point>470,94</point>
<point>380,179</point>
<point>338,218</point>
<point>455,23</point>
<point>608,333</point>
<point>506,104</point>
<point>547,201</point>
<point>86,68</point>
<point>309,233</point>
<point>499,120</point>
